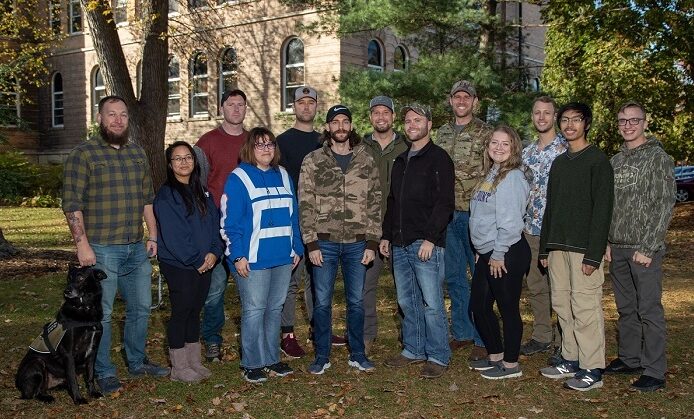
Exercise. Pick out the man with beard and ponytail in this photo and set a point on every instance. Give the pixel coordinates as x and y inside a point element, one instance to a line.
<point>340,213</point>
<point>107,190</point>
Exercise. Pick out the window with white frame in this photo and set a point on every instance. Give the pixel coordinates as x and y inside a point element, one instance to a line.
<point>120,10</point>
<point>54,16</point>
<point>198,85</point>
<point>57,101</point>
<point>98,91</point>
<point>375,55</point>
<point>174,88</point>
<point>293,74</point>
<point>75,16</point>
<point>228,72</point>
<point>173,6</point>
<point>400,59</point>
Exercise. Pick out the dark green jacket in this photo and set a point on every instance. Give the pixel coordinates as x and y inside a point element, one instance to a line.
<point>580,194</point>
<point>644,192</point>
<point>384,159</point>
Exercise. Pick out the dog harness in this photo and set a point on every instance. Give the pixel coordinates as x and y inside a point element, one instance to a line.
<point>53,334</point>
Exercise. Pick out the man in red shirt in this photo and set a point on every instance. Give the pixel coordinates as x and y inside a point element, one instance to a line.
<point>220,147</point>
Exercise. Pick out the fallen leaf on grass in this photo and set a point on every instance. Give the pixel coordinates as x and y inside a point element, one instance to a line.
<point>210,412</point>
<point>453,387</point>
<point>536,409</point>
<point>158,401</point>
<point>490,396</point>
<point>220,385</point>
<point>216,401</point>
<point>239,407</point>
<point>178,407</point>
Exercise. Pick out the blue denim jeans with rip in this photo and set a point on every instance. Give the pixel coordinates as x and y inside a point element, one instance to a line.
<point>129,273</point>
<point>459,257</point>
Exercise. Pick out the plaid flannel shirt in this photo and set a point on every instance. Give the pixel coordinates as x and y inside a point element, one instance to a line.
<point>111,187</point>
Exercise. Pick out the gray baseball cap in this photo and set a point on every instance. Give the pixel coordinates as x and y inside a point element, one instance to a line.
<point>423,110</point>
<point>305,91</point>
<point>463,86</point>
<point>383,101</point>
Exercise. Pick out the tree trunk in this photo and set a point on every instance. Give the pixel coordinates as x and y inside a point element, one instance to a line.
<point>147,123</point>
<point>488,35</point>
<point>6,248</point>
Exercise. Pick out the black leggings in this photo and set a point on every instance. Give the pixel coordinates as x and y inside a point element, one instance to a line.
<point>506,292</point>
<point>187,291</point>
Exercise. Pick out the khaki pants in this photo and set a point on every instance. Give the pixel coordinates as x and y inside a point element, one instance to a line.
<point>539,296</point>
<point>577,300</point>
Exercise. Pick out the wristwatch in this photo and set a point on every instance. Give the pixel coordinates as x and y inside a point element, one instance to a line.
<point>237,259</point>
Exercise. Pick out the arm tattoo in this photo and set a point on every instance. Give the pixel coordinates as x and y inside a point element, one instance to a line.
<point>75,225</point>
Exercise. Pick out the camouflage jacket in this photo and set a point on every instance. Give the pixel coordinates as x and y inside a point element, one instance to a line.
<point>342,208</point>
<point>467,151</point>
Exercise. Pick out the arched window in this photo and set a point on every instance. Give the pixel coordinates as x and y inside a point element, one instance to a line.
<point>198,93</point>
<point>9,105</point>
<point>228,72</point>
<point>57,100</point>
<point>375,53</point>
<point>98,91</point>
<point>400,59</point>
<point>174,85</point>
<point>293,74</point>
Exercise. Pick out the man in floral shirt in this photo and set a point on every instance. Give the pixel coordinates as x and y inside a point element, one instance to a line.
<point>538,157</point>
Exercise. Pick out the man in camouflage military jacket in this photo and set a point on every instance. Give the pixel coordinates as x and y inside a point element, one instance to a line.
<point>463,139</point>
<point>340,213</point>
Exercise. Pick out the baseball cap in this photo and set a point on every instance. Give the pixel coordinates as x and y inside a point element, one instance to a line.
<point>418,109</point>
<point>236,92</point>
<point>384,101</point>
<point>463,86</point>
<point>337,110</point>
<point>305,91</point>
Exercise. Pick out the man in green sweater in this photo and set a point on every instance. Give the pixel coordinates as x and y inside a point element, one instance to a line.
<point>572,244</point>
<point>645,195</point>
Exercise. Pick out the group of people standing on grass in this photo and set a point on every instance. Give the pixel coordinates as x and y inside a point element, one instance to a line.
<point>282,213</point>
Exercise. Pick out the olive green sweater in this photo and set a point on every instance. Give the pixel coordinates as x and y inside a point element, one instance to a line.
<point>579,205</point>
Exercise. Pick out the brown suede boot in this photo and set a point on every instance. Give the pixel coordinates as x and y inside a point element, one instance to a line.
<point>180,371</point>
<point>193,351</point>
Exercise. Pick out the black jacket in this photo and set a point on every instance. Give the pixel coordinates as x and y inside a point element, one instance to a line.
<point>421,200</point>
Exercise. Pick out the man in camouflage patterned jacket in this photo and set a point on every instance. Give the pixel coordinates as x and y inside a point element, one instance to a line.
<point>463,139</point>
<point>340,213</point>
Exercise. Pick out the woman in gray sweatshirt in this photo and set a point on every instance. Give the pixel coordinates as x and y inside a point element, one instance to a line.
<point>497,208</point>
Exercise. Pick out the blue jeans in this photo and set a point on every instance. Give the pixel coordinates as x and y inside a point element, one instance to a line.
<point>459,257</point>
<point>419,285</point>
<point>348,256</point>
<point>213,311</point>
<point>262,297</point>
<point>129,272</point>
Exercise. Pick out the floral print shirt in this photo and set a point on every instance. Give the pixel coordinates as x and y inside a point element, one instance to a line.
<point>539,162</point>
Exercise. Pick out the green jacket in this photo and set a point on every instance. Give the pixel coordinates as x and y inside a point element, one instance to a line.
<point>467,152</point>
<point>384,159</point>
<point>336,206</point>
<point>644,195</point>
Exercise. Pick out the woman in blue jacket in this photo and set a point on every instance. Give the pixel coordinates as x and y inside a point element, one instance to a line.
<point>497,208</point>
<point>261,228</point>
<point>189,247</point>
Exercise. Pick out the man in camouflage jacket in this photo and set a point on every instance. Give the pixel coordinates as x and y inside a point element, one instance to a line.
<point>463,139</point>
<point>340,213</point>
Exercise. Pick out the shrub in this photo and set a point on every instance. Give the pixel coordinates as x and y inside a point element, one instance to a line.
<point>22,182</point>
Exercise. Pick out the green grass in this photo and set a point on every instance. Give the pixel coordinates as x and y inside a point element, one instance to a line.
<point>26,303</point>
<point>35,227</point>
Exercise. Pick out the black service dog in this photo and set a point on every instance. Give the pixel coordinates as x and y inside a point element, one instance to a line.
<point>68,345</point>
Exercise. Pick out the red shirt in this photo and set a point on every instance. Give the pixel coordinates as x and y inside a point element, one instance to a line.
<point>222,151</point>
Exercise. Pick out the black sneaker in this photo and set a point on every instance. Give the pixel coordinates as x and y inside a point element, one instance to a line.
<point>213,352</point>
<point>149,368</point>
<point>556,358</point>
<point>646,383</point>
<point>279,369</point>
<point>532,347</point>
<point>254,375</point>
<point>617,366</point>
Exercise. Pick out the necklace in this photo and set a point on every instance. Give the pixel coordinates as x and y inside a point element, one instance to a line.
<point>267,191</point>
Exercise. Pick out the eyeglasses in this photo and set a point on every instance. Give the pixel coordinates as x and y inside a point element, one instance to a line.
<point>574,120</point>
<point>180,159</point>
<point>264,146</point>
<point>630,121</point>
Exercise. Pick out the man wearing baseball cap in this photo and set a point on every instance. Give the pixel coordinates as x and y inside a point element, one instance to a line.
<point>340,210</point>
<point>385,145</point>
<point>420,205</point>
<point>463,138</point>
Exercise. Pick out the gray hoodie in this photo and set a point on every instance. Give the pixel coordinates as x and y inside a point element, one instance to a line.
<point>496,216</point>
